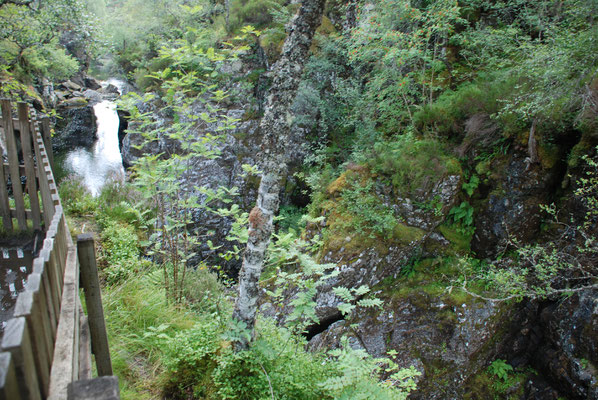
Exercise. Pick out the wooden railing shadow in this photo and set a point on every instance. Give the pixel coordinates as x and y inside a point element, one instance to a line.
<point>46,345</point>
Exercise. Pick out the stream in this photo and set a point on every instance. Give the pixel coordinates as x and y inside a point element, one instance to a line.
<point>104,161</point>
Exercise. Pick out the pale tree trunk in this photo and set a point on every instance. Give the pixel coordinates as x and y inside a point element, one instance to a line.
<point>274,126</point>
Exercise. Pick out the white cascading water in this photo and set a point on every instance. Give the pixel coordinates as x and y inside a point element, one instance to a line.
<point>104,161</point>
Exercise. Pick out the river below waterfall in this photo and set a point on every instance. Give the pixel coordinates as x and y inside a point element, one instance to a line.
<point>103,161</point>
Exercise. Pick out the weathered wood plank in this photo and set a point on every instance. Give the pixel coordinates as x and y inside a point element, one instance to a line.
<point>46,132</point>
<point>93,300</point>
<point>44,185</point>
<point>48,298</point>
<point>101,388</point>
<point>4,202</point>
<point>24,308</point>
<point>13,160</point>
<point>16,341</point>
<point>26,139</point>
<point>35,286</point>
<point>54,282</point>
<point>64,351</point>
<point>84,347</point>
<point>9,387</point>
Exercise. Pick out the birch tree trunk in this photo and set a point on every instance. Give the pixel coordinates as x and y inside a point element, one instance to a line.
<point>275,128</point>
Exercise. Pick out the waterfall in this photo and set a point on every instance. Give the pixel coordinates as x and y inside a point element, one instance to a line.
<point>104,161</point>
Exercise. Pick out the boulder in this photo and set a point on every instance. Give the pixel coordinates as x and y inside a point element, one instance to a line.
<point>93,96</point>
<point>109,89</point>
<point>91,83</point>
<point>70,85</point>
<point>76,128</point>
<point>73,102</point>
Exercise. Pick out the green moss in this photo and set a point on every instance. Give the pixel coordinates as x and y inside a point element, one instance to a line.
<point>582,148</point>
<point>485,385</point>
<point>549,154</point>
<point>460,242</point>
<point>413,164</point>
<point>405,234</point>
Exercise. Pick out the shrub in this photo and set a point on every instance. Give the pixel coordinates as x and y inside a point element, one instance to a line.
<point>119,251</point>
<point>413,164</point>
<point>76,198</point>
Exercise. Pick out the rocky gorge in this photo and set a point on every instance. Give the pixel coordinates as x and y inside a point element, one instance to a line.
<point>410,219</point>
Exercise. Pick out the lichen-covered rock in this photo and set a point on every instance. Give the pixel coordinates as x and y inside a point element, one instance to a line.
<point>447,338</point>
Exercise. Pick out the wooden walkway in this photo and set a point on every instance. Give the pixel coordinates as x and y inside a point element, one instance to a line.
<point>46,343</point>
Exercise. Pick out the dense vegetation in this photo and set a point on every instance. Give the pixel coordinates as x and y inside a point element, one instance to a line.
<point>397,96</point>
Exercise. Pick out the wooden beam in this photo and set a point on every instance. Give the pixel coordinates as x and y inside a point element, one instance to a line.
<point>93,300</point>
<point>4,202</point>
<point>65,356</point>
<point>84,347</point>
<point>101,388</point>
<point>46,133</point>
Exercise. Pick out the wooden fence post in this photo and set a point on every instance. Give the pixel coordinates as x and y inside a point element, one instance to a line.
<point>93,299</point>
<point>26,141</point>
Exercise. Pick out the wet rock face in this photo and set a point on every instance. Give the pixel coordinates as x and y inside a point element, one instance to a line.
<point>77,125</point>
<point>569,353</point>
<point>76,128</point>
<point>513,208</point>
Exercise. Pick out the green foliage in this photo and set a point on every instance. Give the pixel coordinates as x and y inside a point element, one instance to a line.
<point>135,31</point>
<point>189,77</point>
<point>371,216</point>
<point>462,216</point>
<point>253,12</point>
<point>411,163</point>
<point>190,357</point>
<point>29,38</point>
<point>289,217</point>
<point>403,45</point>
<point>354,381</point>
<point>304,278</point>
<point>119,252</point>
<point>500,369</point>
<point>472,185</point>
<point>76,198</point>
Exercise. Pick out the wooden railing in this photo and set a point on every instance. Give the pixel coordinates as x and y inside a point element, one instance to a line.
<point>46,345</point>
<point>23,151</point>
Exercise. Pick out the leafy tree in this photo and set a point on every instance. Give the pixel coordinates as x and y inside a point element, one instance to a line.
<point>30,36</point>
<point>286,74</point>
<point>161,176</point>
